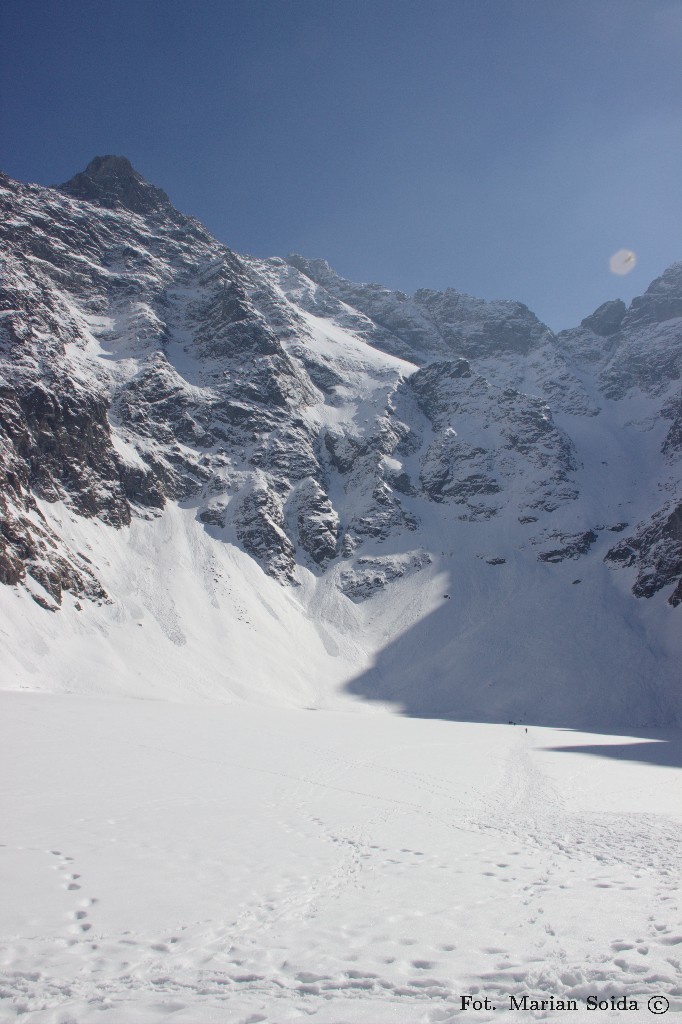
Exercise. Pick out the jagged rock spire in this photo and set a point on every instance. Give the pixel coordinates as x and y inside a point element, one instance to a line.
<point>113,182</point>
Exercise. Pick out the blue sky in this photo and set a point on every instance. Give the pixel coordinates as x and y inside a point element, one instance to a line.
<point>502,147</point>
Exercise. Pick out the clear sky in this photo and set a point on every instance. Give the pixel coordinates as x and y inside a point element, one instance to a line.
<point>502,147</point>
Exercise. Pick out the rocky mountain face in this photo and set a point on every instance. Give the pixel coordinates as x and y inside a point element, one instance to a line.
<point>346,437</point>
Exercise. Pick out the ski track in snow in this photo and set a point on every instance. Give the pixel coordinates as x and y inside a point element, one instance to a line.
<point>198,864</point>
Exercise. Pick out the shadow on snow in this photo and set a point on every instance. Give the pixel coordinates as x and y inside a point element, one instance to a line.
<point>548,669</point>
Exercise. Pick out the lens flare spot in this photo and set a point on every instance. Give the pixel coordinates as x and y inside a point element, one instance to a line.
<point>622,262</point>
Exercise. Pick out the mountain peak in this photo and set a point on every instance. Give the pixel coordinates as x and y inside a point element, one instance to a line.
<point>318,270</point>
<point>113,182</point>
<point>108,166</point>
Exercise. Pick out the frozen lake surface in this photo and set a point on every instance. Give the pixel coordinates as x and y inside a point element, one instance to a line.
<point>196,863</point>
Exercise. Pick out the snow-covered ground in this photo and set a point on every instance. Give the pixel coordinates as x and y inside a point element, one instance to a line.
<point>230,863</point>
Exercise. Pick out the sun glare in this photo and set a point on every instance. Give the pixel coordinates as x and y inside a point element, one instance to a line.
<point>622,262</point>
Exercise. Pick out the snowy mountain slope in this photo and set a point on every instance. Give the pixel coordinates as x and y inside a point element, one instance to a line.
<point>251,479</point>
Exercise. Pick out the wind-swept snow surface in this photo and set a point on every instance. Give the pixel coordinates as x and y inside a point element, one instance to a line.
<point>194,863</point>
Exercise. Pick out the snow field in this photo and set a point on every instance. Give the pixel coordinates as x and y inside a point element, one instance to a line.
<point>201,863</point>
<point>193,616</point>
<point>190,616</point>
